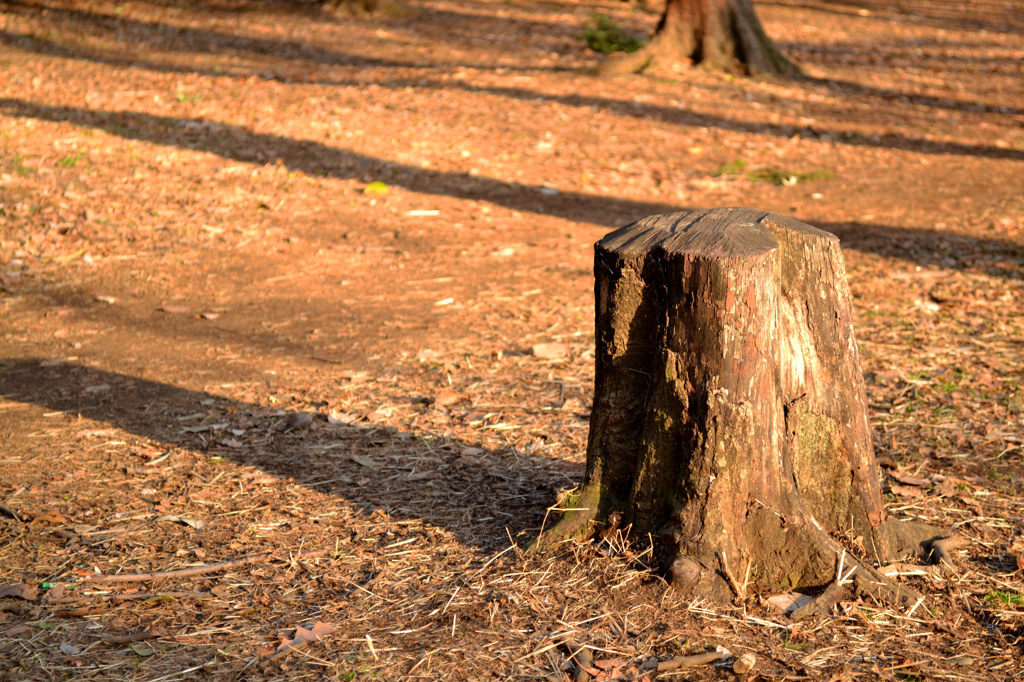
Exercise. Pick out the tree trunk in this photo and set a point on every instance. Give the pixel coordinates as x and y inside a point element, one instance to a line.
<point>730,418</point>
<point>722,35</point>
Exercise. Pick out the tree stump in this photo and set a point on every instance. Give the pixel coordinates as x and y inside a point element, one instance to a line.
<point>730,418</point>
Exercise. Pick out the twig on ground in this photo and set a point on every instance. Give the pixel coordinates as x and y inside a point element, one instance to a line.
<point>740,592</point>
<point>690,661</point>
<point>899,568</point>
<point>132,637</point>
<point>125,597</point>
<point>65,535</point>
<point>199,570</point>
<point>582,659</point>
<point>14,606</point>
<point>14,514</point>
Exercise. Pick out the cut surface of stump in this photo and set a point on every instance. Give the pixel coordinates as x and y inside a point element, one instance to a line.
<point>730,418</point>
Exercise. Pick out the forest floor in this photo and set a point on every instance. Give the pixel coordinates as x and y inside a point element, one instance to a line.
<point>215,215</point>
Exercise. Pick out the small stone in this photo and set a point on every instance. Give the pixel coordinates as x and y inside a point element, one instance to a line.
<point>550,351</point>
<point>684,571</point>
<point>744,664</point>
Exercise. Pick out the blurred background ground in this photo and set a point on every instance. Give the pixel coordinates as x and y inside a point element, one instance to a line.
<point>195,241</point>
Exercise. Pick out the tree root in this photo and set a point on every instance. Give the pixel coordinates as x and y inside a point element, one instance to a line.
<point>198,570</point>
<point>632,62</point>
<point>940,552</point>
<point>821,604</point>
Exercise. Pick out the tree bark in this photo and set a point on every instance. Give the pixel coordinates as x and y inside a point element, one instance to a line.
<point>730,417</point>
<point>721,35</point>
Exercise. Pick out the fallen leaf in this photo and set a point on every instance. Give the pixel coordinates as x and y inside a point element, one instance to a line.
<point>49,517</point>
<point>221,591</point>
<point>342,418</point>
<point>905,491</point>
<point>98,388</point>
<point>106,299</point>
<point>304,636</point>
<point>573,405</point>
<point>19,631</point>
<point>231,443</point>
<point>96,432</point>
<point>447,397</point>
<point>195,523</point>
<point>69,649</point>
<point>70,257</point>
<point>788,601</point>
<point>176,309</point>
<point>910,480</point>
<point>468,461</point>
<point>20,590</point>
<point>366,461</point>
<point>210,316</point>
<point>550,351</point>
<point>376,188</point>
<point>141,649</point>
<point>946,488</point>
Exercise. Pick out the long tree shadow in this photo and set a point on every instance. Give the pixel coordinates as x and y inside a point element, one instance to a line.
<point>135,37</point>
<point>899,96</point>
<point>1001,258</point>
<point>147,35</point>
<point>483,497</point>
<point>947,16</point>
<point>156,36</point>
<point>996,256</point>
<point>695,119</point>
<point>318,159</point>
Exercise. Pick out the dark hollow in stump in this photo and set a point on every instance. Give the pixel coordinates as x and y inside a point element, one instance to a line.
<point>730,418</point>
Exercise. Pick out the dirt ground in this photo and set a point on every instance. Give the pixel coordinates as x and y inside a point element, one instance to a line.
<point>195,245</point>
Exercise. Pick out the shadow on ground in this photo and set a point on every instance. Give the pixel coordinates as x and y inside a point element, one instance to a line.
<point>482,497</point>
<point>134,39</point>
<point>998,257</point>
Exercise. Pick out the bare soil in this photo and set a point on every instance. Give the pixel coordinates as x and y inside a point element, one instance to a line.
<point>191,251</point>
